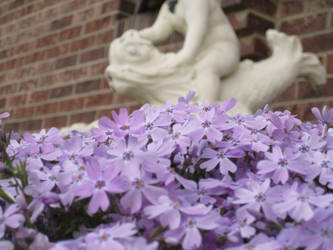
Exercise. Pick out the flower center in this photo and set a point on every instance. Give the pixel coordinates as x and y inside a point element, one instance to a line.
<point>324,164</point>
<point>220,155</point>
<point>250,246</point>
<point>260,197</point>
<point>124,127</point>
<point>242,224</point>
<point>100,184</point>
<point>108,133</point>
<point>2,221</point>
<point>127,156</point>
<point>206,109</point>
<point>205,124</point>
<point>139,184</point>
<point>302,198</point>
<point>282,162</point>
<point>82,168</point>
<point>175,135</point>
<point>176,204</point>
<point>304,149</point>
<point>149,126</point>
<point>104,237</point>
<point>326,233</point>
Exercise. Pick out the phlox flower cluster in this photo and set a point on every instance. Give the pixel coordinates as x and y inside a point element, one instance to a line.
<point>184,176</point>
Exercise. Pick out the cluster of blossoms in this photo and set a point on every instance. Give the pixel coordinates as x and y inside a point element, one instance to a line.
<point>184,176</point>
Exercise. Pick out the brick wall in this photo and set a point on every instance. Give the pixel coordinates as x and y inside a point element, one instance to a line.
<point>312,21</point>
<point>53,53</point>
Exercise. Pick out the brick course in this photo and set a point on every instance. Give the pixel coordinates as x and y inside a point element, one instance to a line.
<point>53,53</point>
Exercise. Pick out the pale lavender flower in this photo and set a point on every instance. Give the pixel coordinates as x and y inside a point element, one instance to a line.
<point>110,237</point>
<point>325,117</point>
<point>299,201</point>
<point>10,218</point>
<point>278,164</point>
<point>103,179</point>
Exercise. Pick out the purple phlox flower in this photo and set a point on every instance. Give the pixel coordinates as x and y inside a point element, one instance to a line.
<point>189,231</point>
<point>221,158</point>
<point>156,123</point>
<point>5,244</point>
<point>325,117</point>
<point>105,130</point>
<point>228,105</point>
<point>204,124</point>
<point>224,183</point>
<point>128,155</point>
<point>3,115</point>
<point>286,128</point>
<point>10,218</point>
<point>139,244</point>
<point>278,164</point>
<point>259,142</point>
<point>128,124</point>
<point>309,144</point>
<point>248,122</point>
<point>142,186</point>
<point>318,232</point>
<point>329,138</point>
<point>40,200</point>
<point>169,175</point>
<point>322,166</point>
<point>242,226</point>
<point>179,137</point>
<point>257,196</point>
<point>160,153</point>
<point>170,211</point>
<point>110,237</point>
<point>103,179</point>
<point>178,112</point>
<point>259,242</point>
<point>37,156</point>
<point>299,202</point>
<point>189,97</point>
<point>290,238</point>
<point>46,179</point>
<point>49,139</point>
<point>8,186</point>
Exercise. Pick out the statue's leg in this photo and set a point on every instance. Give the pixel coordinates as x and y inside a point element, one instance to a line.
<point>214,65</point>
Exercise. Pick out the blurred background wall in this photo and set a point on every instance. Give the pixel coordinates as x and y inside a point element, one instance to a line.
<point>53,53</point>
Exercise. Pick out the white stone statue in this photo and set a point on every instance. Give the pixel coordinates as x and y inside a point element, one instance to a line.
<point>208,62</point>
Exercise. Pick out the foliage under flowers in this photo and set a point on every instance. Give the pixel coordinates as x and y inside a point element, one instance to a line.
<point>174,176</point>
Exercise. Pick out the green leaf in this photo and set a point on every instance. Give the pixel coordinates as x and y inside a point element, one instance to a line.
<point>4,176</point>
<point>6,197</point>
<point>24,174</point>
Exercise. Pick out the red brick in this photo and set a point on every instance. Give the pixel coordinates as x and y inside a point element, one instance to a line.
<point>264,6</point>
<point>70,33</point>
<point>57,121</point>
<point>57,51</point>
<point>61,92</point>
<point>3,103</point>
<point>110,6</point>
<point>35,57</point>
<point>73,104</point>
<point>98,24</point>
<point>287,95</point>
<point>61,23</point>
<point>88,86</point>
<point>15,63</point>
<point>121,99</point>
<point>17,100</point>
<point>319,43</point>
<point>24,47</point>
<point>319,5</point>
<point>307,91</point>
<point>98,69</point>
<point>330,63</point>
<point>65,62</point>
<point>253,48</point>
<point>24,112</point>
<point>89,14</point>
<point>105,38</point>
<point>47,108</point>
<point>247,23</point>
<point>17,3</point>
<point>28,85</point>
<point>83,43</point>
<point>8,89</point>
<point>293,7</point>
<point>47,40</point>
<point>39,96</point>
<point>305,24</point>
<point>9,127</point>
<point>74,5</point>
<point>83,117</point>
<point>99,100</point>
<point>92,55</point>
<point>45,67</point>
<point>33,125</point>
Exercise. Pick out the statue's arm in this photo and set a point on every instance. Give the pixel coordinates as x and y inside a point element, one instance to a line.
<point>161,29</point>
<point>197,13</point>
